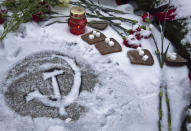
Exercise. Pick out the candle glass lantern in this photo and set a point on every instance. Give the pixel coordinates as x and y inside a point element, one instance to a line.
<point>77,21</point>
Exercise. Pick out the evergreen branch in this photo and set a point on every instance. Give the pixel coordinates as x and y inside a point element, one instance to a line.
<point>13,25</point>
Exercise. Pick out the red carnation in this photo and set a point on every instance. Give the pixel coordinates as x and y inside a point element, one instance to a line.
<point>4,11</point>
<point>42,2</point>
<point>138,36</point>
<point>139,28</point>
<point>168,16</point>
<point>131,32</point>
<point>135,46</point>
<point>147,37</point>
<point>36,17</point>
<point>120,2</point>
<point>147,17</point>
<point>1,19</point>
<point>125,42</point>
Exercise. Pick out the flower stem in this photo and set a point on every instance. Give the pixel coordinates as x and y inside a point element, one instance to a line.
<point>168,108</point>
<point>160,108</point>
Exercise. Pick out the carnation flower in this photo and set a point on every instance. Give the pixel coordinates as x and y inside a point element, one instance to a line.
<point>1,20</point>
<point>3,15</point>
<point>136,28</point>
<point>138,36</point>
<point>36,17</point>
<point>168,16</point>
<point>131,32</point>
<point>147,17</point>
<point>125,42</point>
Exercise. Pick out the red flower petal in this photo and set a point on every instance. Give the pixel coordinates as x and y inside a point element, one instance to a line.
<point>43,2</point>
<point>4,11</point>
<point>139,28</point>
<point>125,42</point>
<point>131,32</point>
<point>138,36</point>
<point>147,37</point>
<point>146,17</point>
<point>170,15</point>
<point>118,2</point>
<point>1,20</point>
<point>36,17</point>
<point>134,46</point>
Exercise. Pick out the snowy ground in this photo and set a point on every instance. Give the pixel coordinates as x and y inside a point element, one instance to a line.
<point>124,99</point>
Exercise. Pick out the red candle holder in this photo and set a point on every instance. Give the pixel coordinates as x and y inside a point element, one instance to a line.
<point>77,21</point>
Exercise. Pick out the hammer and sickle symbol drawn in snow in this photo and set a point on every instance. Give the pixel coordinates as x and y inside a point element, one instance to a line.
<point>61,101</point>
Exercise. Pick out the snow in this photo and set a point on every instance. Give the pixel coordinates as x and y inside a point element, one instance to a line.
<point>126,99</point>
<point>145,57</point>
<point>134,28</point>
<point>55,86</point>
<point>52,74</point>
<point>145,33</point>
<point>61,103</point>
<point>36,94</point>
<point>172,56</point>
<point>111,43</point>
<point>77,81</point>
<point>183,7</point>
<point>107,40</point>
<point>57,128</point>
<point>132,40</point>
<point>91,37</point>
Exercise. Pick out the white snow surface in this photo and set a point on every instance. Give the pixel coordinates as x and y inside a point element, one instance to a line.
<point>62,102</point>
<point>126,99</point>
<point>183,7</point>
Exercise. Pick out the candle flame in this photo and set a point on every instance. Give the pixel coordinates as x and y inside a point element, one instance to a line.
<point>78,27</point>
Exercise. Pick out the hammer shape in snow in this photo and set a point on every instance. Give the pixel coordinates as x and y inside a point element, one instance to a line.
<point>55,86</point>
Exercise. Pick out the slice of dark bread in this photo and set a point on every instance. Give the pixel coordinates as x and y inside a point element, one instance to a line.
<point>180,61</point>
<point>93,41</point>
<point>135,58</point>
<point>105,49</point>
<point>100,25</point>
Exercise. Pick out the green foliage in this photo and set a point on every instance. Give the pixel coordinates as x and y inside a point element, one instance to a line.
<point>187,119</point>
<point>22,11</point>
<point>146,4</point>
<point>175,32</point>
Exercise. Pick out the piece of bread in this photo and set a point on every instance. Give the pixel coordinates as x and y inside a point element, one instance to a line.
<point>105,49</point>
<point>93,41</point>
<point>100,25</point>
<point>135,58</point>
<point>180,61</point>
